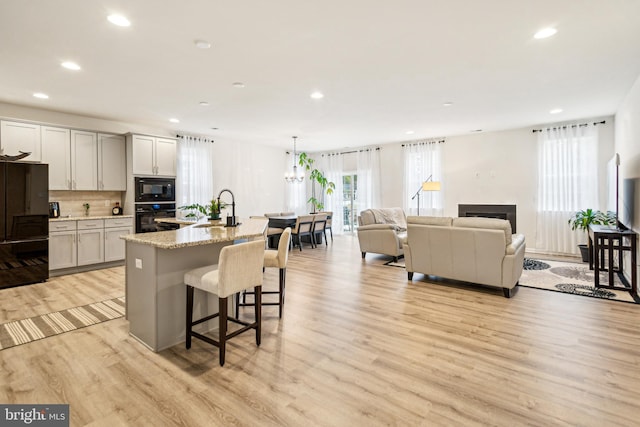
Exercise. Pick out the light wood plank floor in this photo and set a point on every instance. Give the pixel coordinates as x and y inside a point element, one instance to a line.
<point>358,345</point>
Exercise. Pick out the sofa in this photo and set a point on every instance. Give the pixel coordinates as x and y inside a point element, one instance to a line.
<point>477,250</point>
<point>382,231</point>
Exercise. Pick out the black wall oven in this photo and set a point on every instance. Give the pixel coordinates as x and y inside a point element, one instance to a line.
<point>155,190</point>
<point>146,214</point>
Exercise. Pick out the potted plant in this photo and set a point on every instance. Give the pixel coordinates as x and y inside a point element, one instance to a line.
<point>316,176</point>
<point>211,211</point>
<point>86,207</point>
<point>581,221</point>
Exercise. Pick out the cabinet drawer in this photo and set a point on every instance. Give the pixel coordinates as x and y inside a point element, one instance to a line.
<point>62,226</point>
<point>90,224</point>
<point>118,222</point>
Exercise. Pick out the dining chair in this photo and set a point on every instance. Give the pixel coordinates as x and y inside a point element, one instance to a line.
<point>319,228</point>
<point>287,213</point>
<point>328,224</point>
<point>304,223</point>
<point>239,267</point>
<point>272,259</point>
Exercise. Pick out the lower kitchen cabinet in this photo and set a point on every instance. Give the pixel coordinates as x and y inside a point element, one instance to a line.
<point>62,249</point>
<point>87,242</point>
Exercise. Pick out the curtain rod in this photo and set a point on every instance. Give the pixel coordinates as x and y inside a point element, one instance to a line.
<point>425,142</point>
<point>346,152</point>
<point>353,151</point>
<point>570,126</point>
<point>201,137</point>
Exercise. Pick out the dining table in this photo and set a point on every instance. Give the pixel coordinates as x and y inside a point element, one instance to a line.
<point>284,222</point>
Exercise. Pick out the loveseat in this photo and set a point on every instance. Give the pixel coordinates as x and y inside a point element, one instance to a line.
<point>382,231</point>
<point>477,250</point>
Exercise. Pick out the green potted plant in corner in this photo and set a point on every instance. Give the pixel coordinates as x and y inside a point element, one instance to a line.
<point>316,176</point>
<point>211,211</point>
<point>581,221</point>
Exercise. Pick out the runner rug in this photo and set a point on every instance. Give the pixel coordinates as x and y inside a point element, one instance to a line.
<point>36,328</point>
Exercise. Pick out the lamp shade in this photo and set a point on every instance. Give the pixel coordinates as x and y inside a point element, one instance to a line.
<point>431,186</point>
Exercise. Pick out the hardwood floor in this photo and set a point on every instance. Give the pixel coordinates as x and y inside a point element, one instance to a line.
<point>357,345</point>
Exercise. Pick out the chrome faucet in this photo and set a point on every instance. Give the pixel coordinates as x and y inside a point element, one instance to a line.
<point>233,207</point>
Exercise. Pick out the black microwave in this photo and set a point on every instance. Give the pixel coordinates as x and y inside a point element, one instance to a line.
<point>155,189</point>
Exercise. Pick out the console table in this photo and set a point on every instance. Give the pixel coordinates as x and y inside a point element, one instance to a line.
<point>606,239</point>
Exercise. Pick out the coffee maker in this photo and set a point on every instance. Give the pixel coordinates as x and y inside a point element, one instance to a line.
<point>54,209</point>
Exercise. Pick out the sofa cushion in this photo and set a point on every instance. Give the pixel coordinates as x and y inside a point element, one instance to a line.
<point>430,220</point>
<point>488,223</point>
<point>366,217</point>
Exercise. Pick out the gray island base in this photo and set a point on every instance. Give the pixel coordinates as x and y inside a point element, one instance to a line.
<point>155,265</point>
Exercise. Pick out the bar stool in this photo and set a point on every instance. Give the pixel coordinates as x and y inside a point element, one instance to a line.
<point>273,259</point>
<point>239,267</point>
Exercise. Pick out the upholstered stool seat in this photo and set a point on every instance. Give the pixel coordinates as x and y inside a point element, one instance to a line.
<point>239,267</point>
<point>274,259</point>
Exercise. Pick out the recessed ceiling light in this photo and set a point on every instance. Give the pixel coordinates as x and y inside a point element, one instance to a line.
<point>202,44</point>
<point>555,111</point>
<point>477,130</point>
<point>41,95</point>
<point>174,120</point>
<point>409,132</point>
<point>544,33</point>
<point>204,103</point>
<point>214,128</point>
<point>119,20</point>
<point>238,84</point>
<point>70,65</point>
<point>317,95</point>
<point>448,104</point>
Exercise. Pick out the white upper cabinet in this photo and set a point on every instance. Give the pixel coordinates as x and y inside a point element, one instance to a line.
<point>153,156</point>
<point>84,160</point>
<point>16,137</point>
<point>166,157</point>
<point>56,151</point>
<point>112,173</point>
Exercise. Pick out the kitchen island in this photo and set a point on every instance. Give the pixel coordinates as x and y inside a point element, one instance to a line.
<point>155,266</point>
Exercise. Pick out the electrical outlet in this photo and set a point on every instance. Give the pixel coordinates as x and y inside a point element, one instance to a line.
<point>107,202</point>
<point>139,263</point>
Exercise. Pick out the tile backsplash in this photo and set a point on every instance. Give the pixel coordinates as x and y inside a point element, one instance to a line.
<point>100,202</point>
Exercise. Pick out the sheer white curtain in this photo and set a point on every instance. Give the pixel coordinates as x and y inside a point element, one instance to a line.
<point>421,160</point>
<point>567,182</point>
<point>194,183</point>
<point>295,192</point>
<point>333,168</point>
<point>368,173</point>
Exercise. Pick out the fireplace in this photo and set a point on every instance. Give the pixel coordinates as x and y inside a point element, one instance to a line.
<point>507,212</point>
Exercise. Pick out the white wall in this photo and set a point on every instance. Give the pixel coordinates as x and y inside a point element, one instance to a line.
<point>627,144</point>
<point>491,168</point>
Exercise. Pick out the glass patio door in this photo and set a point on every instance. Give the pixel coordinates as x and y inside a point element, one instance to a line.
<point>350,198</point>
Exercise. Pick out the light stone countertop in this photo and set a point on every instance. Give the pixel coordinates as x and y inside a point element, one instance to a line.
<point>88,218</point>
<point>200,234</point>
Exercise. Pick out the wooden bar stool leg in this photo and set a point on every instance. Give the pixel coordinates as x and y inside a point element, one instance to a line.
<point>281,294</point>
<point>258,311</point>
<point>222,302</point>
<point>189,316</point>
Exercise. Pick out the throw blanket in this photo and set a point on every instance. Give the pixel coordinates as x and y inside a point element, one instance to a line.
<point>390,216</point>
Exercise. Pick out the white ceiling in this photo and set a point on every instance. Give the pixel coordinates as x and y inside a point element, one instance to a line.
<point>384,67</point>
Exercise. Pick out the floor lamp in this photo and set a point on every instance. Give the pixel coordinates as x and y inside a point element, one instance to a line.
<point>428,185</point>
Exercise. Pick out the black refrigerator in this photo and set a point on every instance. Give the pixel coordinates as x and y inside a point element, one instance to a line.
<point>24,223</point>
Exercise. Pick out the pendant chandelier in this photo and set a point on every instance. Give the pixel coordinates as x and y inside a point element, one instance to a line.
<point>293,177</point>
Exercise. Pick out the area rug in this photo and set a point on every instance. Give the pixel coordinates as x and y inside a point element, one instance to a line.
<point>36,328</point>
<point>571,278</point>
<point>560,276</point>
